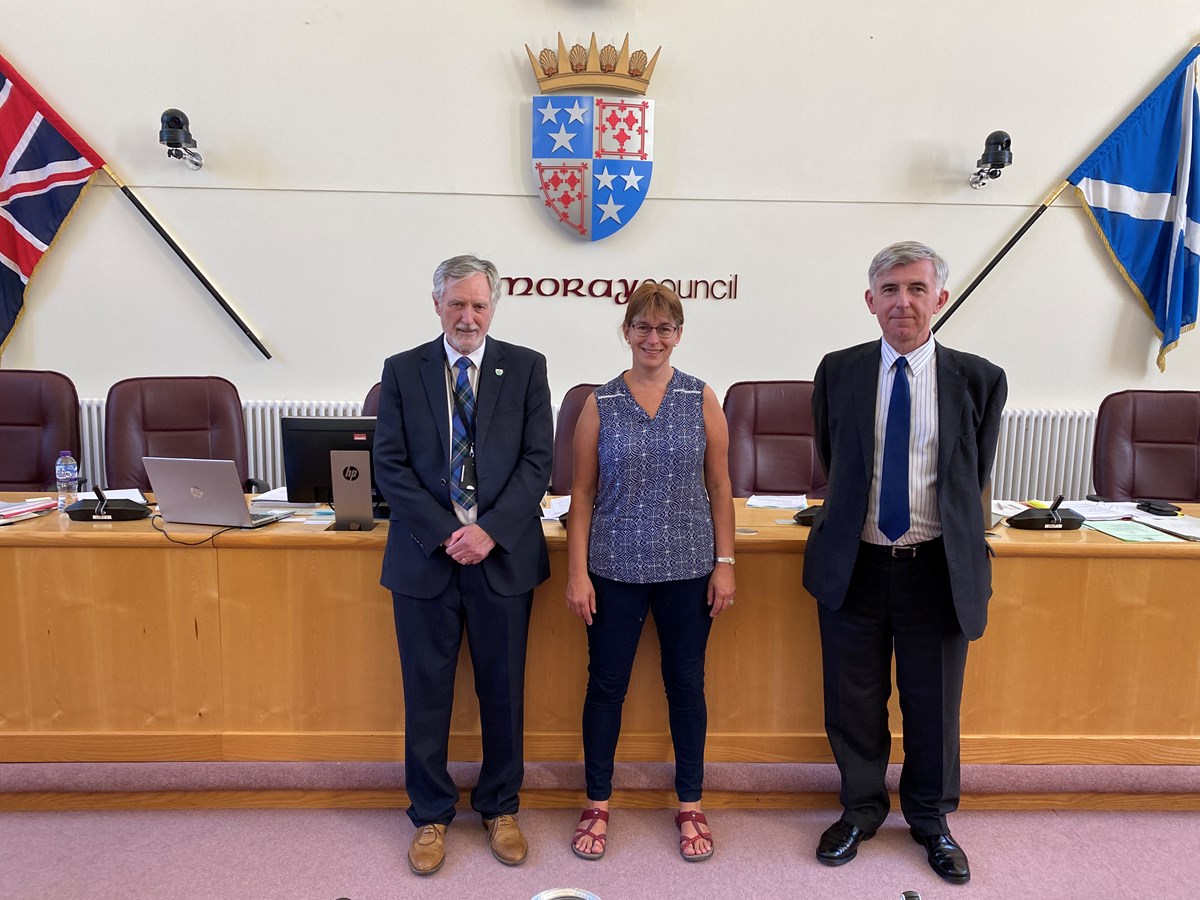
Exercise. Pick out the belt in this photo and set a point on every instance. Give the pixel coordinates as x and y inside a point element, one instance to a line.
<point>900,551</point>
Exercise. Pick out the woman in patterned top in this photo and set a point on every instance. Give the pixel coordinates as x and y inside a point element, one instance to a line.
<point>651,530</point>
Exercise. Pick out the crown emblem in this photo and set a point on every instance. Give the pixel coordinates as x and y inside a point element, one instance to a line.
<point>604,69</point>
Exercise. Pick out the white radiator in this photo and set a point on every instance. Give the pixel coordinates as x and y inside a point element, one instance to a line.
<point>264,445</point>
<point>1042,452</point>
<point>264,449</point>
<point>91,435</point>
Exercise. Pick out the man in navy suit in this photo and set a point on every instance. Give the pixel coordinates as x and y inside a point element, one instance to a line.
<point>897,558</point>
<point>462,456</point>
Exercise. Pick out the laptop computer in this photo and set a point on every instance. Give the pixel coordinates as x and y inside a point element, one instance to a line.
<point>203,492</point>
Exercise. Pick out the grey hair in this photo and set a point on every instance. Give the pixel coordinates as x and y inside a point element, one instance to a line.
<point>458,267</point>
<point>904,253</point>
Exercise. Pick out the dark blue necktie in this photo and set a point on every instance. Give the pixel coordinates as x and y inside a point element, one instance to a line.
<point>462,460</point>
<point>893,491</point>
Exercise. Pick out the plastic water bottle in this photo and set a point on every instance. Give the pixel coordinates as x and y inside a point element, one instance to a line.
<point>66,473</point>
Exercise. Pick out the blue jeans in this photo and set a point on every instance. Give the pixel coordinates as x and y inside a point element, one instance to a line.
<point>681,616</point>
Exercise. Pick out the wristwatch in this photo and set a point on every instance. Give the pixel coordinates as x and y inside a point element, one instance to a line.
<point>724,559</point>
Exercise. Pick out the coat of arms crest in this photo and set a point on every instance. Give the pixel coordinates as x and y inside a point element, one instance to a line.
<point>592,155</point>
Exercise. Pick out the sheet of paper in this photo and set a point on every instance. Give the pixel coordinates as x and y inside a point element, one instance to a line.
<point>24,507</point>
<point>277,497</point>
<point>116,494</point>
<point>1124,530</point>
<point>556,507</point>
<point>1093,511</point>
<point>21,517</point>
<point>1007,508</point>
<point>1187,527</point>
<point>778,501</point>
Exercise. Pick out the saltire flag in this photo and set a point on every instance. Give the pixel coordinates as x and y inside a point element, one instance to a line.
<point>46,167</point>
<point>1141,187</point>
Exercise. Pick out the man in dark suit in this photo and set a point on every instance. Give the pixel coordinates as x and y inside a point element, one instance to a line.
<point>897,559</point>
<point>462,456</point>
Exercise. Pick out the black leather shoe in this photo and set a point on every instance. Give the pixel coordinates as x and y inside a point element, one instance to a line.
<point>945,856</point>
<point>839,843</point>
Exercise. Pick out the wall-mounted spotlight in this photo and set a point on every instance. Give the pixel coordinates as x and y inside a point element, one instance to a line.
<point>178,139</point>
<point>997,153</point>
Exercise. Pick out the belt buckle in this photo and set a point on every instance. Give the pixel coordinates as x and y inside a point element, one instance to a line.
<point>904,552</point>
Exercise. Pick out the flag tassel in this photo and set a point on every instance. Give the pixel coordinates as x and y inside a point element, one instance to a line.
<point>1037,213</point>
<point>165,235</point>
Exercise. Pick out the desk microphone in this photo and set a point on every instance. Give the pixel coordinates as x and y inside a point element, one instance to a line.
<point>102,505</point>
<point>1054,518</point>
<point>102,509</point>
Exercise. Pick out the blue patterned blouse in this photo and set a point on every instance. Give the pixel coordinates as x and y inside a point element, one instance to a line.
<point>652,520</point>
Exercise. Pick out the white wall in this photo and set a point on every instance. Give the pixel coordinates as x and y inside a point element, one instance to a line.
<point>352,144</point>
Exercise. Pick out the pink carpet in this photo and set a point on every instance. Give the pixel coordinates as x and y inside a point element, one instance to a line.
<point>359,854</point>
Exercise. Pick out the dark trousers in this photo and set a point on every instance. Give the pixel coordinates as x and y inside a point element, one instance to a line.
<point>900,606</point>
<point>681,616</point>
<point>429,633</point>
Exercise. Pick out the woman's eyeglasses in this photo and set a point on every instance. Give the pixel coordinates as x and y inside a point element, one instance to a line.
<point>641,329</point>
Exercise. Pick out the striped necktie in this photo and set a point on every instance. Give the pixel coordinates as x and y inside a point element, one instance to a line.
<point>462,460</point>
<point>894,519</point>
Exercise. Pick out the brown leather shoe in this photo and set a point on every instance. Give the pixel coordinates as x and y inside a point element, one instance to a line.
<point>428,849</point>
<point>505,838</point>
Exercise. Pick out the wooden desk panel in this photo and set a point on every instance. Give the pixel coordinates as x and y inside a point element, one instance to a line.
<point>108,640</point>
<point>308,642</point>
<point>279,644</point>
<point>1089,646</point>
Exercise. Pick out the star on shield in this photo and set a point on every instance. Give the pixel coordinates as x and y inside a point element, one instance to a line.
<point>593,158</point>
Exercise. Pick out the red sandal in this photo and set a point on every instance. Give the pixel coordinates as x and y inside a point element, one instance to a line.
<point>591,816</point>
<point>701,823</point>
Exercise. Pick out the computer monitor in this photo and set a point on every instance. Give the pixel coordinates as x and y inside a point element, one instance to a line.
<point>307,441</point>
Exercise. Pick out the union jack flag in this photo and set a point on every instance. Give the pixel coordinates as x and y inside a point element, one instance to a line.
<point>46,166</point>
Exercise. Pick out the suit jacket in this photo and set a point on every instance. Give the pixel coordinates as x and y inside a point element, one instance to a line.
<point>513,436</point>
<point>971,395</point>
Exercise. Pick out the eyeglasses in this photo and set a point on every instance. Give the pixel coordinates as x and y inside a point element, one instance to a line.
<point>641,329</point>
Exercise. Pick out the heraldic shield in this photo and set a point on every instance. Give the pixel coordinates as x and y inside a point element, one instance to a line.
<point>592,158</point>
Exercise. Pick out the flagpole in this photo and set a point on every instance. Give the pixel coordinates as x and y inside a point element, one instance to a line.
<point>999,256</point>
<point>246,330</point>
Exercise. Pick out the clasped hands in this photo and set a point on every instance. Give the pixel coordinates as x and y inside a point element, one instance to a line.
<point>469,545</point>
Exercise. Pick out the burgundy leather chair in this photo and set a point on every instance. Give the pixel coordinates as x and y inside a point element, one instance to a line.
<point>771,444</point>
<point>39,416</point>
<point>1148,446</point>
<point>190,417</point>
<point>563,465</point>
<point>371,403</point>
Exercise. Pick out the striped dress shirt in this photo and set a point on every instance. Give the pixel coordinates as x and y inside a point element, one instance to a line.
<point>926,522</point>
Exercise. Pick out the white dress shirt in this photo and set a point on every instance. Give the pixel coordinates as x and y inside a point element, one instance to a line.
<point>926,521</point>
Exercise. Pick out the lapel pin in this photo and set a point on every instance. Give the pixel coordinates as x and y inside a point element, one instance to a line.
<point>499,371</point>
